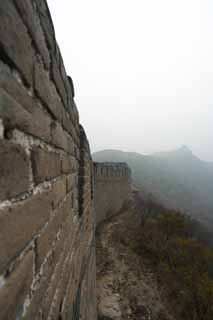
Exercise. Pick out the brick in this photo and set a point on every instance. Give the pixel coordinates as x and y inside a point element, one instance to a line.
<point>58,54</point>
<point>59,191</point>
<point>66,165</point>
<point>69,164</point>
<point>40,290</point>
<point>70,298</point>
<point>71,181</point>
<point>46,91</point>
<point>11,84</point>
<point>15,42</point>
<point>31,20</point>
<point>14,115</point>
<point>16,288</point>
<point>14,179</point>
<point>68,280</point>
<point>76,112</point>
<point>46,23</point>
<point>67,122</point>
<point>67,234</point>
<point>46,165</point>
<point>71,145</point>
<point>20,222</point>
<point>47,272</point>
<point>73,285</point>
<point>60,138</point>
<point>65,80</point>
<point>57,281</point>
<point>71,110</point>
<point>45,241</point>
<point>71,127</point>
<point>57,78</point>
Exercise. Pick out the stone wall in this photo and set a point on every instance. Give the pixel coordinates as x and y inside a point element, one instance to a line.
<point>47,253</point>
<point>112,188</point>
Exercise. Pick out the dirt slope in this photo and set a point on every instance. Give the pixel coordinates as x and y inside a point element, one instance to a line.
<point>127,289</point>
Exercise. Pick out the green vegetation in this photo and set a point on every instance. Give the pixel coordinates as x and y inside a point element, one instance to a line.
<point>180,253</point>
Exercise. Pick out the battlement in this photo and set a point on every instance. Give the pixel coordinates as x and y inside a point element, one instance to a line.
<point>114,170</point>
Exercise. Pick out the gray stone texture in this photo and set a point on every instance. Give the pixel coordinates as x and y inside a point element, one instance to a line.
<point>112,188</point>
<point>47,216</point>
<point>13,182</point>
<point>47,268</point>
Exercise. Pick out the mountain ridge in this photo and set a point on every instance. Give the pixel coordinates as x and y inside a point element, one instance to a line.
<point>178,178</point>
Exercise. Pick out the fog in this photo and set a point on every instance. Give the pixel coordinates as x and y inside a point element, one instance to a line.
<point>142,71</point>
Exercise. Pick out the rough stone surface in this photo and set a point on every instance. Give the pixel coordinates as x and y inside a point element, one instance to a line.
<point>31,20</point>
<point>45,89</point>
<point>112,188</point>
<point>15,289</point>
<point>46,165</point>
<point>109,307</point>
<point>13,182</point>
<point>15,42</point>
<point>56,74</point>
<point>22,221</point>
<point>47,217</point>
<point>46,211</point>
<point>15,115</point>
<point>45,242</point>
<point>46,23</point>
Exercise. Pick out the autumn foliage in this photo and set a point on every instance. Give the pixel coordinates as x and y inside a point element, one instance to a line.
<point>179,251</point>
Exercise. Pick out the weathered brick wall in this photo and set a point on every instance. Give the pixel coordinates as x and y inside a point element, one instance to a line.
<point>112,188</point>
<point>47,254</point>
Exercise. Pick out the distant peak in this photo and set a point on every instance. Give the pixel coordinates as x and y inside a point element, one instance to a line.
<point>185,149</point>
<point>181,152</point>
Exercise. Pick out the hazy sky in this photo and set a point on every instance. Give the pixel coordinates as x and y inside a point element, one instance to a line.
<point>142,71</point>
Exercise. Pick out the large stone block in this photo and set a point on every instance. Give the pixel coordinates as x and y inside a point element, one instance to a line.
<point>45,89</point>
<point>14,115</point>
<point>46,165</point>
<point>56,75</point>
<point>55,294</point>
<point>72,181</point>
<point>11,83</point>
<point>31,20</point>
<point>15,42</point>
<point>59,191</point>
<point>60,138</point>
<point>20,222</point>
<point>45,242</point>
<point>14,170</point>
<point>46,23</point>
<point>67,122</point>
<point>69,164</point>
<point>16,288</point>
<point>59,252</point>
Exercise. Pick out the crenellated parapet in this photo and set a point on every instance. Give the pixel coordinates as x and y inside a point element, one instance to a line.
<point>114,170</point>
